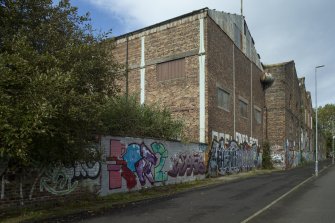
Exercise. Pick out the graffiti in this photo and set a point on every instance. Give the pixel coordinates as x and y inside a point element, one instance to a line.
<point>187,163</point>
<point>160,175</point>
<point>141,165</point>
<point>144,165</point>
<point>62,180</point>
<point>121,164</point>
<point>231,157</point>
<point>241,139</point>
<point>136,162</point>
<point>285,157</point>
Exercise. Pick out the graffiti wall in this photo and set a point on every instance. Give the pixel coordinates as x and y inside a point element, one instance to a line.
<point>43,183</point>
<point>132,163</point>
<point>126,164</point>
<point>232,157</point>
<point>287,156</point>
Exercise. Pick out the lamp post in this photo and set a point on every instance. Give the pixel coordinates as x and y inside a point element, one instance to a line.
<point>316,122</point>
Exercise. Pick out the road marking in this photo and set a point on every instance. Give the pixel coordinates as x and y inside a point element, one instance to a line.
<point>281,197</point>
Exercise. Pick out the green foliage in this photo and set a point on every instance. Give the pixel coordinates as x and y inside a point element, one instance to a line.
<point>126,117</point>
<point>55,75</point>
<point>326,122</point>
<point>266,156</point>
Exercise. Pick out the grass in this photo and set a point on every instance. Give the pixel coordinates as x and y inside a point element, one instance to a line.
<point>91,206</point>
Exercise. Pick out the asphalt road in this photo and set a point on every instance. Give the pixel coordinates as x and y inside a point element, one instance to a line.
<point>313,202</point>
<point>229,202</point>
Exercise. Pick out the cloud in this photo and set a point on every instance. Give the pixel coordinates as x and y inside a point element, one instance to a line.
<point>138,14</point>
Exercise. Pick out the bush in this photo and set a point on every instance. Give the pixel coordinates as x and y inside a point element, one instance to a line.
<point>125,116</point>
<point>266,158</point>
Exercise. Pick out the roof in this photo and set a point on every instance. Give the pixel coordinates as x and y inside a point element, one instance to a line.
<point>278,64</point>
<point>163,23</point>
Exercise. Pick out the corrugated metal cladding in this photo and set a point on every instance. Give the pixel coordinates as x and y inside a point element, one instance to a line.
<point>171,70</point>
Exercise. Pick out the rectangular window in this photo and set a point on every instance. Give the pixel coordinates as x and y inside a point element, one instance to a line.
<point>223,99</point>
<point>243,109</point>
<point>171,70</point>
<point>258,115</point>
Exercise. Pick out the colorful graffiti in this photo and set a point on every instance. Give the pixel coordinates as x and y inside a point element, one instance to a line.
<point>187,163</point>
<point>232,157</point>
<point>137,161</point>
<point>160,175</point>
<point>138,165</point>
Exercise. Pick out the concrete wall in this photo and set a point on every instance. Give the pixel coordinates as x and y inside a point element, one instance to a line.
<point>127,164</point>
<point>38,185</point>
<point>133,163</point>
<point>232,157</point>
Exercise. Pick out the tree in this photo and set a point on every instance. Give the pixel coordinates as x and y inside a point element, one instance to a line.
<point>55,76</point>
<point>326,118</point>
<point>125,116</point>
<point>266,156</point>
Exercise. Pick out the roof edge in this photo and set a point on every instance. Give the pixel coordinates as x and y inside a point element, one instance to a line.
<point>162,23</point>
<point>277,64</point>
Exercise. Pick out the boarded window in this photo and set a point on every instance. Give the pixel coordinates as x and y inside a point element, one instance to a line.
<point>223,99</point>
<point>243,109</point>
<point>258,115</point>
<point>171,70</point>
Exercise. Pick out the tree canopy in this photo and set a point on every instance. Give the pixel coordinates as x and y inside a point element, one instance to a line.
<point>326,117</point>
<point>55,75</point>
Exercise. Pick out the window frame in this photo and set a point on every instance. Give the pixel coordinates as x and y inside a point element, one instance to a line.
<point>257,109</point>
<point>225,92</point>
<point>246,103</point>
<point>167,73</point>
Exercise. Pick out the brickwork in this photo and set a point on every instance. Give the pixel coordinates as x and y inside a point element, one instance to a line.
<point>174,40</point>
<point>221,70</point>
<point>288,107</point>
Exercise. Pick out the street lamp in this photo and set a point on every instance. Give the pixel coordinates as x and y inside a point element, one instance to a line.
<point>316,122</point>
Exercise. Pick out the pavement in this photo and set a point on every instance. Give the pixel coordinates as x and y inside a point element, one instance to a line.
<point>238,201</point>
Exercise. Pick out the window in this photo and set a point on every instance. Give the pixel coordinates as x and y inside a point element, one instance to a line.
<point>223,99</point>
<point>171,70</point>
<point>258,115</point>
<point>243,109</point>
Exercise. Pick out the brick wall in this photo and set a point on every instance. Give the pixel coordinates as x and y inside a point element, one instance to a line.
<point>275,106</point>
<point>177,39</point>
<point>283,101</point>
<point>224,58</point>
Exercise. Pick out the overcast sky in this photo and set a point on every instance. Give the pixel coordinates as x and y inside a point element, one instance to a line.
<point>283,30</point>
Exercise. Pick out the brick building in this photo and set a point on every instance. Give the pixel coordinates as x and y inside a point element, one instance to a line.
<point>289,114</point>
<point>203,66</point>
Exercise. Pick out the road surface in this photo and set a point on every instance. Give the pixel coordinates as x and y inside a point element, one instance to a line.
<point>313,202</point>
<point>229,202</point>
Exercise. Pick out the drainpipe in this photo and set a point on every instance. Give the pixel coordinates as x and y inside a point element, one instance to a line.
<point>234,95</point>
<point>127,69</point>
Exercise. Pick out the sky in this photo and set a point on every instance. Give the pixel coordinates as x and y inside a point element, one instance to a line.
<point>283,30</point>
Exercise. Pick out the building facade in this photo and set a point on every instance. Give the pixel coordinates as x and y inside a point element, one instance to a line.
<point>289,114</point>
<point>205,68</point>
